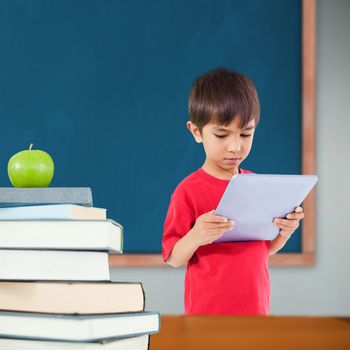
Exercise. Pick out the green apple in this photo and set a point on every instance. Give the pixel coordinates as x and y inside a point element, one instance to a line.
<point>30,168</point>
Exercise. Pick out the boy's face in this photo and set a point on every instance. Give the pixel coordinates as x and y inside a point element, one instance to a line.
<point>225,146</point>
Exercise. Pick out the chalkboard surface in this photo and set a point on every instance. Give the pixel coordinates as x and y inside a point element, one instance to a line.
<point>103,86</point>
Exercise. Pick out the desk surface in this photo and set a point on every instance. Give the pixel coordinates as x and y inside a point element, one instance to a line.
<point>229,332</point>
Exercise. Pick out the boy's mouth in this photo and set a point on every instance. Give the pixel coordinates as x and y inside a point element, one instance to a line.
<point>232,160</point>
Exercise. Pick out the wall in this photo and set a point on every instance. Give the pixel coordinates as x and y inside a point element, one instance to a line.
<point>325,288</point>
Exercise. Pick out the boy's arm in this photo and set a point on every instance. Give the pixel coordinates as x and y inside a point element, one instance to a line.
<point>182,251</point>
<point>207,229</point>
<point>277,244</point>
<point>287,228</point>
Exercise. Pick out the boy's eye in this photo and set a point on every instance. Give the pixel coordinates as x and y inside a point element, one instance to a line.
<point>223,136</point>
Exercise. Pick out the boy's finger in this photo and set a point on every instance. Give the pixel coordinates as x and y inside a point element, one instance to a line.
<point>211,225</point>
<point>284,227</point>
<point>211,216</point>
<point>215,226</point>
<point>215,218</point>
<point>297,216</point>
<point>298,210</point>
<point>287,223</point>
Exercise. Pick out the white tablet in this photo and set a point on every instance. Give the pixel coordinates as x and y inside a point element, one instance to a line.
<point>254,200</point>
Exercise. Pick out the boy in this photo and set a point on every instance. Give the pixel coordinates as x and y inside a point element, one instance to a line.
<point>231,277</point>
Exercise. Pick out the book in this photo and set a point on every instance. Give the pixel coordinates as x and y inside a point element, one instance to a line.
<point>14,197</point>
<point>53,265</point>
<point>133,343</point>
<point>53,212</point>
<point>72,297</point>
<point>82,328</point>
<point>106,235</point>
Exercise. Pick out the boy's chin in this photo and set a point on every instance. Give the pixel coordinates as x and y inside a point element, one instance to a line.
<point>233,169</point>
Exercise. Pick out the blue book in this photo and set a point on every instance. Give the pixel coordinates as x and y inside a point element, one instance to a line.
<point>53,212</point>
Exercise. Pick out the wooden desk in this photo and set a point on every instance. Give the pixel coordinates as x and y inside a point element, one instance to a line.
<point>258,333</point>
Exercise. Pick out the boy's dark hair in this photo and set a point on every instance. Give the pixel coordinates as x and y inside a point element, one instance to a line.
<point>220,95</point>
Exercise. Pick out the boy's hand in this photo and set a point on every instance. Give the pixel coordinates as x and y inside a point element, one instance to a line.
<point>210,227</point>
<point>289,225</point>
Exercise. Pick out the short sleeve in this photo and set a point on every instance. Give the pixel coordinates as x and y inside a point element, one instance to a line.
<point>179,220</point>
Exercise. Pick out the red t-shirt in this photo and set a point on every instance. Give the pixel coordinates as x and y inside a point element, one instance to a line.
<point>221,278</point>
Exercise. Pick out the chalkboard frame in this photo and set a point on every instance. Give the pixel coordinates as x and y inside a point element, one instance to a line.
<point>307,256</point>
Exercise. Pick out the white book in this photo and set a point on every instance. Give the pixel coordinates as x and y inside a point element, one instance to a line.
<point>53,265</point>
<point>77,328</point>
<point>72,297</point>
<point>53,211</point>
<point>133,343</point>
<point>106,235</point>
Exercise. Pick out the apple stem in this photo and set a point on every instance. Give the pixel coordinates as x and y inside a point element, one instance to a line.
<point>30,147</point>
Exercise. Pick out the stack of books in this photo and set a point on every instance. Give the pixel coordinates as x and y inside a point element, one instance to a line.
<point>55,287</point>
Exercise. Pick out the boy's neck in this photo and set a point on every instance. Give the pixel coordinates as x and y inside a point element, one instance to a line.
<point>221,174</point>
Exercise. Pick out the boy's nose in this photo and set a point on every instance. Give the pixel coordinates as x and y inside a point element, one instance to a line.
<point>234,148</point>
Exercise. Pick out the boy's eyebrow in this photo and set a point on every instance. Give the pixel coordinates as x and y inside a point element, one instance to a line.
<point>249,127</point>
<point>218,128</point>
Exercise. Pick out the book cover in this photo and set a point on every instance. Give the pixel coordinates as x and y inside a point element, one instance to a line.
<point>80,328</point>
<point>52,212</point>
<point>93,235</point>
<point>12,197</point>
<point>53,265</point>
<point>72,297</point>
<point>133,343</point>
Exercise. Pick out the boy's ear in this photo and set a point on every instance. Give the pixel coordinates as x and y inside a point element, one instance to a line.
<point>194,131</point>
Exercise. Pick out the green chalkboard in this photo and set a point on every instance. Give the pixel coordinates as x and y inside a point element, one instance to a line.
<point>103,86</point>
